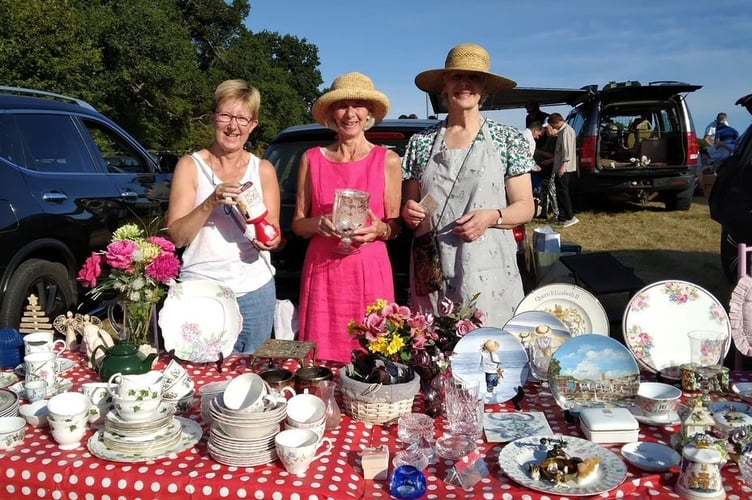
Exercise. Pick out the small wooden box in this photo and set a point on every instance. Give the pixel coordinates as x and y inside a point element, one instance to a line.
<point>707,183</point>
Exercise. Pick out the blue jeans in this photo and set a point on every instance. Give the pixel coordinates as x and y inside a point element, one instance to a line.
<point>257,309</point>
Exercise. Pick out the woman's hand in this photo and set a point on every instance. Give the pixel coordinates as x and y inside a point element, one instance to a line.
<point>473,225</point>
<point>367,234</point>
<point>325,226</point>
<point>413,214</point>
<point>224,194</point>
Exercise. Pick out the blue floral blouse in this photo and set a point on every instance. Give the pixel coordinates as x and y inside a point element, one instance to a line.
<point>512,146</point>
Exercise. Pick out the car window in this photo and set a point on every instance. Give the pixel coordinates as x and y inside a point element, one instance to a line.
<point>53,144</point>
<point>119,156</point>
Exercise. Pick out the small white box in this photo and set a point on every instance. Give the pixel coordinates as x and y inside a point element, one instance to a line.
<point>609,425</point>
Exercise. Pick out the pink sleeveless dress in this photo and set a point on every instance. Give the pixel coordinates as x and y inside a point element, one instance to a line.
<point>337,288</point>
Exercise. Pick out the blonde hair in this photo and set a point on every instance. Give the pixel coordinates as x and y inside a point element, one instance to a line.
<point>241,90</point>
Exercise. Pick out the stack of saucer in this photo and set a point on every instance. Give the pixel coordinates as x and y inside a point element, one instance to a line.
<point>9,403</point>
<point>128,436</point>
<point>244,439</point>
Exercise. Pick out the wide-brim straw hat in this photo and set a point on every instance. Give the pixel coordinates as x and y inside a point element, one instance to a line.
<point>348,87</point>
<point>466,57</point>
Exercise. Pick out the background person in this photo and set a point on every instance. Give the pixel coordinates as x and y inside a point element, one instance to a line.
<point>709,137</point>
<point>205,187</point>
<point>564,167</point>
<point>337,288</point>
<point>480,170</point>
<point>544,158</point>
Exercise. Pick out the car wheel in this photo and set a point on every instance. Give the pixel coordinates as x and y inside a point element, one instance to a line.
<point>730,256</point>
<point>681,200</point>
<point>49,281</point>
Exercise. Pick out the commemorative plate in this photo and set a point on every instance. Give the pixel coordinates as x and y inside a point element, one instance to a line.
<point>593,371</point>
<point>658,319</point>
<point>512,359</point>
<point>516,457</point>
<point>577,308</point>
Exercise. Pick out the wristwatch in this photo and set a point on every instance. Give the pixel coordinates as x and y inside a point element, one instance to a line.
<point>500,220</point>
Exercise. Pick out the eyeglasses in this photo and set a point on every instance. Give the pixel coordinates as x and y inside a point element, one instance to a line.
<point>243,121</point>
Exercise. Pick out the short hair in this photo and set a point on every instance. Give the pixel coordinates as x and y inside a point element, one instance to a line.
<point>555,118</point>
<point>241,90</point>
<point>535,126</point>
<point>721,117</point>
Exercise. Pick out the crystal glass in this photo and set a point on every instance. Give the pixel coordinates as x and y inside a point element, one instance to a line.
<point>706,353</point>
<point>350,213</point>
<point>464,407</point>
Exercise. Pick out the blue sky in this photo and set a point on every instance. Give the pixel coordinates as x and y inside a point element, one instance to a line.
<point>537,44</point>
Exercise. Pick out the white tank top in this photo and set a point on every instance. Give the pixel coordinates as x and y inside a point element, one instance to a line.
<point>220,251</point>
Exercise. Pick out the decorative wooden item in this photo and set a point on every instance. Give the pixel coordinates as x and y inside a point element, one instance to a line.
<point>66,325</point>
<point>34,318</point>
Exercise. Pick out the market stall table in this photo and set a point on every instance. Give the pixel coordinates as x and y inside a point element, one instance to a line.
<point>38,468</point>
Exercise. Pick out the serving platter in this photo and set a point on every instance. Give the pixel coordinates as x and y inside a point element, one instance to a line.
<point>516,456</point>
<point>466,362</point>
<point>574,306</point>
<point>200,320</point>
<point>651,457</point>
<point>658,319</point>
<point>593,371</point>
<point>190,435</point>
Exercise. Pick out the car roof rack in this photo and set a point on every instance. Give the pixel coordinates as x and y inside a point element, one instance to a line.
<point>42,93</point>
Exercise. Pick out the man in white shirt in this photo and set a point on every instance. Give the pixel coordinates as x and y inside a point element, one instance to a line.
<point>565,167</point>
<point>715,154</point>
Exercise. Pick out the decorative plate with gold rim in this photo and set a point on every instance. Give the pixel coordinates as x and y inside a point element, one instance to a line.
<point>577,308</point>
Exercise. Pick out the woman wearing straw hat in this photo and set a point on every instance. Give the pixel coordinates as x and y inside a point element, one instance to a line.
<point>335,287</point>
<point>475,173</point>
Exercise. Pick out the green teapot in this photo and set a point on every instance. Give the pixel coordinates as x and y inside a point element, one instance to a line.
<point>121,358</point>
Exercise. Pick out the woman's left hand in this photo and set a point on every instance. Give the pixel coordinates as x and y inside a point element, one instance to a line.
<point>367,234</point>
<point>272,244</point>
<point>473,225</point>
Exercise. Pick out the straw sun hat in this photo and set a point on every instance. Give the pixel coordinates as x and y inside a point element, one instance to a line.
<point>467,57</point>
<point>347,87</point>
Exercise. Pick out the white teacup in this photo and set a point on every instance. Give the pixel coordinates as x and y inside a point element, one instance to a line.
<point>101,401</point>
<point>297,448</point>
<point>140,386</point>
<point>67,415</point>
<point>247,393</point>
<point>306,410</point>
<point>42,366</point>
<point>43,342</point>
<point>36,390</point>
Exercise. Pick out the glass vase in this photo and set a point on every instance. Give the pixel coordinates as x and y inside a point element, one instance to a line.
<point>333,413</point>
<point>137,323</point>
<point>433,395</point>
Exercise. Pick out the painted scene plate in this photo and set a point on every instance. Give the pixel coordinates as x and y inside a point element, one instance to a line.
<point>540,333</point>
<point>516,457</point>
<point>593,371</point>
<point>511,357</point>
<point>658,319</point>
<point>577,308</point>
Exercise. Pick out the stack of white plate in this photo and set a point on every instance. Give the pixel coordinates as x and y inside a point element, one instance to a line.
<point>131,437</point>
<point>244,439</point>
<point>9,403</point>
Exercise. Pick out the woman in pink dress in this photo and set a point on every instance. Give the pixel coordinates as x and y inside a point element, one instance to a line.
<point>337,287</point>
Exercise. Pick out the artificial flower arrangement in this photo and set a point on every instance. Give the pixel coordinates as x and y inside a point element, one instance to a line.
<point>137,268</point>
<point>392,333</point>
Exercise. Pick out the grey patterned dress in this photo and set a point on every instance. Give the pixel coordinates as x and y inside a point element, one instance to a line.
<point>487,265</point>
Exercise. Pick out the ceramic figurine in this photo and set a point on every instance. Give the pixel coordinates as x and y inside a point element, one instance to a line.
<point>94,336</point>
<point>491,364</point>
<point>66,325</point>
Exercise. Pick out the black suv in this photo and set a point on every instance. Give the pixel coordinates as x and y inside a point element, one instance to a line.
<point>634,142</point>
<point>730,200</point>
<point>70,177</point>
<point>285,151</point>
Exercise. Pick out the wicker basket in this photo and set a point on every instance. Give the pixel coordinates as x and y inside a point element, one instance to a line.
<point>376,403</point>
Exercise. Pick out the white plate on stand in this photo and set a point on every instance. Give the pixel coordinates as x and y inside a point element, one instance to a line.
<point>659,317</point>
<point>574,306</point>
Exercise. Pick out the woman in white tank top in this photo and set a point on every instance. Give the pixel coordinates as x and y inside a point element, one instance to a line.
<point>204,191</point>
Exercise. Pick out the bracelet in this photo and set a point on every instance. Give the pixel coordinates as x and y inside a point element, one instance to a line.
<point>387,232</point>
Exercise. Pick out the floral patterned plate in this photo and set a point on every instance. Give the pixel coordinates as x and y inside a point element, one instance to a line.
<point>659,317</point>
<point>574,306</point>
<point>516,457</point>
<point>200,320</point>
<point>8,378</point>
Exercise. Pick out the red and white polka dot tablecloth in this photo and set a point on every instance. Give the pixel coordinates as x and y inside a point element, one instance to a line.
<point>39,469</point>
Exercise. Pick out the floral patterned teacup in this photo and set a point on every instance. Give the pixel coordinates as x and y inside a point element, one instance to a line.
<point>297,448</point>
<point>42,366</point>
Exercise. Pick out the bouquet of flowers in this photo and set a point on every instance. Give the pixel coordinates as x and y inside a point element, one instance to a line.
<point>392,331</point>
<point>138,268</point>
<point>454,321</point>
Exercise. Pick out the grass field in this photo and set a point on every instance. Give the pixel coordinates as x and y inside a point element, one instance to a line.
<point>657,244</point>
